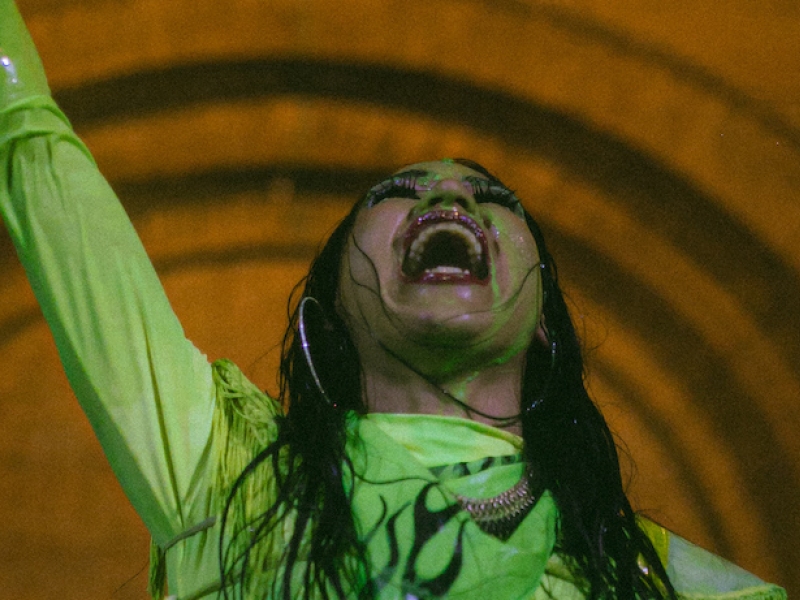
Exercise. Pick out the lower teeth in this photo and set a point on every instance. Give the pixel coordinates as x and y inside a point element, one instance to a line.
<point>446,270</point>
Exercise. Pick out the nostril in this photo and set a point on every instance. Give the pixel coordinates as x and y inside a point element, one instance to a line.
<point>462,203</point>
<point>465,203</point>
<point>438,200</point>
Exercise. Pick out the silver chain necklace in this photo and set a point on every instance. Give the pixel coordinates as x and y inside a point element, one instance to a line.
<point>500,515</point>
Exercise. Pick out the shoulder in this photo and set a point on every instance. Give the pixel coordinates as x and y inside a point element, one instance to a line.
<point>698,574</point>
<point>695,573</point>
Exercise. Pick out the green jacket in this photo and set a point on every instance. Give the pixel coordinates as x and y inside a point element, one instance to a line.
<point>178,430</point>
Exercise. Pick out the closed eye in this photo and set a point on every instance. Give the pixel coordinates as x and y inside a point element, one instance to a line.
<point>485,191</point>
<point>402,185</point>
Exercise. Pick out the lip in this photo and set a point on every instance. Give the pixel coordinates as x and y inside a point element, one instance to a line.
<point>446,216</point>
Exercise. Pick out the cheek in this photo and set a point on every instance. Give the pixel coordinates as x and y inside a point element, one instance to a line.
<point>521,241</point>
<point>358,286</point>
<point>526,252</point>
<point>377,235</point>
<point>516,246</point>
<point>362,276</point>
<point>345,300</point>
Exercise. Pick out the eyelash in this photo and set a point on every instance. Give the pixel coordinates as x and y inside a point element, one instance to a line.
<point>397,187</point>
<point>406,187</point>
<point>484,191</point>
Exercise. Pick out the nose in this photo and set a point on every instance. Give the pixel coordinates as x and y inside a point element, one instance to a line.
<point>448,194</point>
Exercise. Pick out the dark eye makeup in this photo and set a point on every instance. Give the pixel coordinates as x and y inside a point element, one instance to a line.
<point>405,185</point>
<point>484,191</point>
<point>402,185</point>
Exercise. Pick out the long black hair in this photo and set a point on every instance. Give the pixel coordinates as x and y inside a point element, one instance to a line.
<point>566,441</point>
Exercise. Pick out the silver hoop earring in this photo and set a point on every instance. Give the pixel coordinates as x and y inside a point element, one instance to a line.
<point>307,347</point>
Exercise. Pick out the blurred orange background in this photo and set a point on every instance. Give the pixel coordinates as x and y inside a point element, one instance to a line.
<point>658,144</point>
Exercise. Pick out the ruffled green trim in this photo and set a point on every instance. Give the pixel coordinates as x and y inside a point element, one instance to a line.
<point>243,425</point>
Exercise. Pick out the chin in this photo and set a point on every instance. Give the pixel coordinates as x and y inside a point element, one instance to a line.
<point>439,301</point>
<point>447,330</point>
<point>450,312</point>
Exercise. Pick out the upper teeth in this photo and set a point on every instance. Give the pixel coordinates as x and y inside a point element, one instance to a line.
<point>473,245</point>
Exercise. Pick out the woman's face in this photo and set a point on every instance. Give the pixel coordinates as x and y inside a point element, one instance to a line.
<point>441,271</point>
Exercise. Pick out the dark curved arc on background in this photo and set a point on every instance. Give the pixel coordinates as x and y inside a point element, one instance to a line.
<point>770,476</point>
<point>623,42</point>
<point>673,205</point>
<point>681,68</point>
<point>19,323</point>
<point>667,439</point>
<point>218,184</point>
<point>234,256</point>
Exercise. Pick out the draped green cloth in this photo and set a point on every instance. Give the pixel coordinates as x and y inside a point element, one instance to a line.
<point>406,471</point>
<point>392,457</point>
<point>177,431</point>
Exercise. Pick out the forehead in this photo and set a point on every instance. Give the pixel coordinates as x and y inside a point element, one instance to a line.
<point>432,171</point>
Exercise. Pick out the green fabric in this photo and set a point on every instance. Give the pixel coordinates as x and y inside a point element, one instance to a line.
<point>394,485</point>
<point>391,457</point>
<point>177,432</point>
<point>698,574</point>
<point>147,391</point>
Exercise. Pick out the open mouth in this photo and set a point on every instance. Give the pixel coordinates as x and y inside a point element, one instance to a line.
<point>445,247</point>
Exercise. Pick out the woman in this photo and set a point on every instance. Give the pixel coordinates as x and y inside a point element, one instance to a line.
<point>430,331</point>
<point>437,296</point>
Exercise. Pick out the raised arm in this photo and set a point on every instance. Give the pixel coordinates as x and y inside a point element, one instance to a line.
<point>146,390</point>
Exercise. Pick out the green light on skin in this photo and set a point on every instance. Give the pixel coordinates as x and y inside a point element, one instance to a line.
<point>495,284</point>
<point>460,389</point>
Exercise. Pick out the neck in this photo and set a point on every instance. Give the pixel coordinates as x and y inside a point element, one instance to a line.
<point>492,391</point>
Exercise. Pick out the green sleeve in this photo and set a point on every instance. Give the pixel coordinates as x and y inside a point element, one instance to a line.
<point>697,574</point>
<point>147,391</point>
<point>700,575</point>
